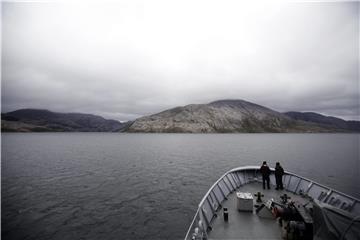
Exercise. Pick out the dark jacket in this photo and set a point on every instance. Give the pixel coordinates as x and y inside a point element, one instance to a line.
<point>265,171</point>
<point>279,171</point>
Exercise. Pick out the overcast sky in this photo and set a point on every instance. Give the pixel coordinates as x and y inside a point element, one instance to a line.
<point>129,59</point>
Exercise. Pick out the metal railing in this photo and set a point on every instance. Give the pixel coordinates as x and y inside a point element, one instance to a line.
<point>235,178</point>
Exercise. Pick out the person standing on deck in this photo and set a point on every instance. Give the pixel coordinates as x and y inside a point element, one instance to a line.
<point>265,172</point>
<point>279,172</point>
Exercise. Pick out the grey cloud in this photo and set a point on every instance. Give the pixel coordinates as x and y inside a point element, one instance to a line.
<point>125,60</point>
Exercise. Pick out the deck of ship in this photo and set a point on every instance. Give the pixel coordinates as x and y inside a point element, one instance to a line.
<point>248,225</point>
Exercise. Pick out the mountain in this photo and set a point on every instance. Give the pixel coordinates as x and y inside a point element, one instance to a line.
<point>35,120</point>
<point>325,121</point>
<point>238,116</point>
<point>221,117</point>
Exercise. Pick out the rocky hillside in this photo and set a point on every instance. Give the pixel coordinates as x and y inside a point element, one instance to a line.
<point>35,120</point>
<point>221,117</point>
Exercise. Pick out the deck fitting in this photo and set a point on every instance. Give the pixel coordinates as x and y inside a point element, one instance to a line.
<point>258,195</point>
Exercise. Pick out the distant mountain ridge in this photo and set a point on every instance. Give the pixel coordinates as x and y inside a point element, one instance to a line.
<point>29,120</point>
<point>326,121</point>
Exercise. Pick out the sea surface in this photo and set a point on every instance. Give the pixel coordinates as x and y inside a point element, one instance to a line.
<point>145,186</point>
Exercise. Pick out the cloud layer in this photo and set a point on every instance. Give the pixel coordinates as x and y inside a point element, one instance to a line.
<point>125,60</point>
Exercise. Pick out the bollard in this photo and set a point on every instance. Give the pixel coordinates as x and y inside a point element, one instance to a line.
<point>226,214</point>
<point>259,195</point>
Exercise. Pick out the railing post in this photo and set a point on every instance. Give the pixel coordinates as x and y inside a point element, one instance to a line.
<point>236,174</point>
<point>232,175</point>
<point>297,186</point>
<point>222,192</point>
<point>226,185</point>
<point>234,187</point>
<point>327,196</point>
<point>206,220</point>
<point>288,184</point>
<point>308,189</point>
<point>219,203</point>
<point>352,205</point>
<point>212,210</point>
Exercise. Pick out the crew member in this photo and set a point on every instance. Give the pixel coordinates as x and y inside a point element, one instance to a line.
<point>265,172</point>
<point>279,172</point>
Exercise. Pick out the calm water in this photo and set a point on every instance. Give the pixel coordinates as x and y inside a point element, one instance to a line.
<point>145,186</point>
